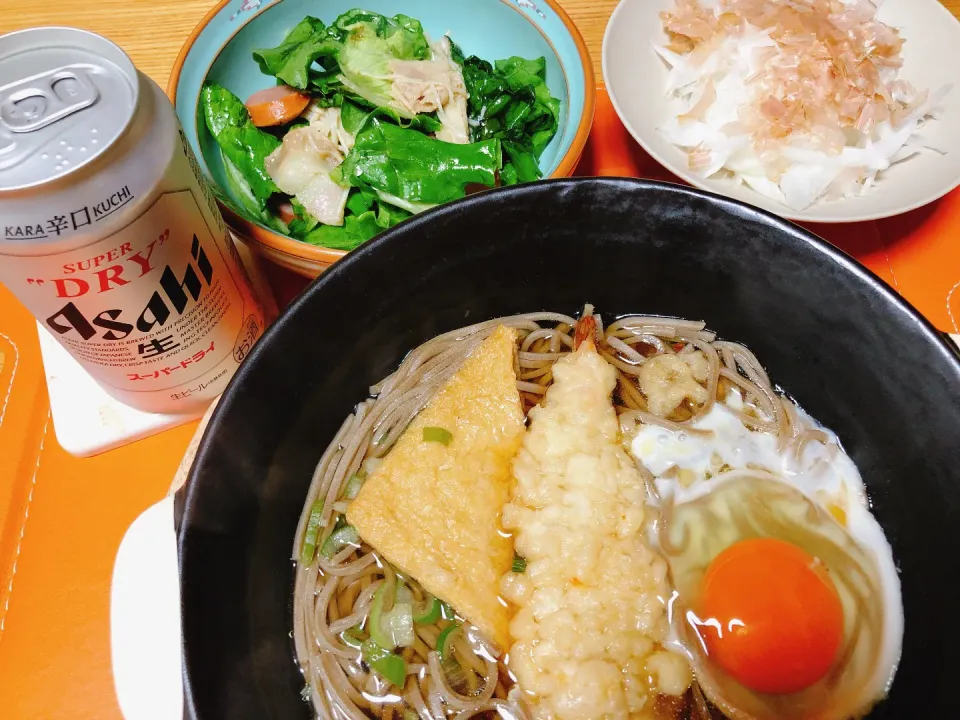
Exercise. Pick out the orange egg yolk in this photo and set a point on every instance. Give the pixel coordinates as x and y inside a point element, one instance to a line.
<point>772,616</point>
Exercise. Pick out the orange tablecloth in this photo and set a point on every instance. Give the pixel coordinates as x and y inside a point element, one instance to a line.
<point>62,518</point>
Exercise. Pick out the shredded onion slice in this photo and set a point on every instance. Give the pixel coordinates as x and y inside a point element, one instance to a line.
<point>801,101</point>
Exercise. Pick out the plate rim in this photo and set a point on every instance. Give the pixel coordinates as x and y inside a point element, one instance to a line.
<point>810,215</point>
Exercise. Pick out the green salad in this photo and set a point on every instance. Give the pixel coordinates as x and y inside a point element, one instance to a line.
<point>370,122</point>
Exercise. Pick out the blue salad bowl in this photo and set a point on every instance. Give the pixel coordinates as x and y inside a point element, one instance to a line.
<point>220,51</point>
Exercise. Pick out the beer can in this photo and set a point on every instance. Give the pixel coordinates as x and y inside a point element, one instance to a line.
<point>109,233</point>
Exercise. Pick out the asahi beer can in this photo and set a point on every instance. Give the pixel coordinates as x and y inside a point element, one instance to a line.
<point>109,233</point>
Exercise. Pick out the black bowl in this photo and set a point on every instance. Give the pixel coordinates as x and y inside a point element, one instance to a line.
<point>832,334</point>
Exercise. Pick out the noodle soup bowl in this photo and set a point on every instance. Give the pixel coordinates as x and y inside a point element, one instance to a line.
<point>847,348</point>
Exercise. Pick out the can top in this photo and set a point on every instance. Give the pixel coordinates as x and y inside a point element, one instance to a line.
<point>66,96</point>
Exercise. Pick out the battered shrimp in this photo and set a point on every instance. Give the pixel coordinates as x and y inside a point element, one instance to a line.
<point>588,615</point>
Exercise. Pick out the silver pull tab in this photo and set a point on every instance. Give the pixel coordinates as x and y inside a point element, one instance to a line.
<point>40,101</point>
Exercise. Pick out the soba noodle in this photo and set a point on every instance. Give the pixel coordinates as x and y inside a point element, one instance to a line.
<point>334,594</point>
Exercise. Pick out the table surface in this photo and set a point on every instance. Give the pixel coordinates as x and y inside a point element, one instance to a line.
<point>54,642</point>
<point>170,21</point>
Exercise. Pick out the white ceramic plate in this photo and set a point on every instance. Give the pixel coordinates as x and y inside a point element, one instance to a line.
<point>635,77</point>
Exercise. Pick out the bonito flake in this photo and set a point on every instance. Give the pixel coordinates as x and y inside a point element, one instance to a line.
<point>799,99</point>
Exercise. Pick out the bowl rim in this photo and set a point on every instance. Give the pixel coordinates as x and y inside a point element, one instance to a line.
<point>284,245</point>
<point>808,215</point>
<point>186,495</point>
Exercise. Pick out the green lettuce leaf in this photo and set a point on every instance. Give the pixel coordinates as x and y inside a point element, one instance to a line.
<point>292,59</point>
<point>362,201</point>
<point>222,109</point>
<point>355,231</point>
<point>402,34</point>
<point>519,73</point>
<point>239,190</point>
<point>543,122</point>
<point>369,43</point>
<point>366,217</point>
<point>521,161</point>
<point>510,100</point>
<point>388,215</point>
<point>325,86</point>
<point>354,56</point>
<point>415,169</point>
<point>353,117</point>
<point>365,68</point>
<point>356,113</point>
<point>303,221</point>
<point>243,145</point>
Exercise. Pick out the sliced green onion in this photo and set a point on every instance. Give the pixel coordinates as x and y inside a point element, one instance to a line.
<point>397,624</point>
<point>352,637</point>
<point>352,489</point>
<point>519,563</point>
<point>374,624</point>
<point>452,669</point>
<point>394,627</point>
<point>426,612</point>
<point>391,668</point>
<point>310,536</point>
<point>444,644</point>
<point>437,435</point>
<point>369,467</point>
<point>455,673</point>
<point>339,539</point>
<point>404,594</point>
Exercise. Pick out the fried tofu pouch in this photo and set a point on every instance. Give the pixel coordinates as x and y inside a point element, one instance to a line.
<point>433,510</point>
